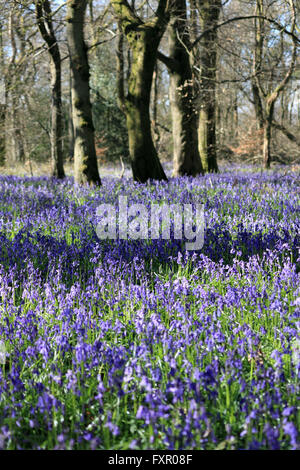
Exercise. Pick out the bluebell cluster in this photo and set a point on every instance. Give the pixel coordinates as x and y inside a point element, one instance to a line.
<point>139,344</point>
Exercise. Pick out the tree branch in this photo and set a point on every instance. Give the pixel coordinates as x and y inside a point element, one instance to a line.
<point>172,64</point>
<point>293,138</point>
<point>239,18</point>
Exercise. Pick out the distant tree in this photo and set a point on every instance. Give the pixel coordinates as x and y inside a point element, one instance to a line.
<point>3,106</point>
<point>255,50</point>
<point>45,24</point>
<point>269,58</point>
<point>209,11</point>
<point>15,152</point>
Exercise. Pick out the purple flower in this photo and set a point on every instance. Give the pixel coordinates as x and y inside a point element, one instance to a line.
<point>290,429</point>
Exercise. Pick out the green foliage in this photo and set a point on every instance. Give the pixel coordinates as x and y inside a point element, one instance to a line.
<point>38,124</point>
<point>109,121</point>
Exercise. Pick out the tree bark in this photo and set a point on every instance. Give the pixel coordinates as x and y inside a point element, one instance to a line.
<point>235,116</point>
<point>71,133</point>
<point>120,69</point>
<point>269,112</point>
<point>2,133</point>
<point>143,40</point>
<point>209,11</point>
<point>18,153</point>
<point>155,128</point>
<point>258,107</point>
<point>257,91</point>
<point>85,160</point>
<point>45,24</point>
<point>184,118</point>
<point>3,106</point>
<point>14,145</point>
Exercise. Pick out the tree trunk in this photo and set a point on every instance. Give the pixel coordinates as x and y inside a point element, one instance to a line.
<point>14,143</point>
<point>207,137</point>
<point>56,120</point>
<point>143,40</point>
<point>71,134</point>
<point>3,107</point>
<point>268,134</point>
<point>2,133</point>
<point>44,20</point>
<point>14,139</point>
<point>290,111</point>
<point>144,159</point>
<point>85,161</point>
<point>257,64</point>
<point>209,11</point>
<point>184,118</point>
<point>258,107</point>
<point>235,117</point>
<point>18,153</point>
<point>155,129</point>
<point>120,69</point>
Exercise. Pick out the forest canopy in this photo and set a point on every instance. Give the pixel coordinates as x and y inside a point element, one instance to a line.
<point>144,82</point>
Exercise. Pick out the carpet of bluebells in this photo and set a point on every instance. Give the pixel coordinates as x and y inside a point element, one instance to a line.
<point>139,344</point>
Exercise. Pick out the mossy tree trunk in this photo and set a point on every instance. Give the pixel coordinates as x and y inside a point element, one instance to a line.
<point>85,160</point>
<point>184,117</point>
<point>45,24</point>
<point>143,39</point>
<point>209,11</point>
